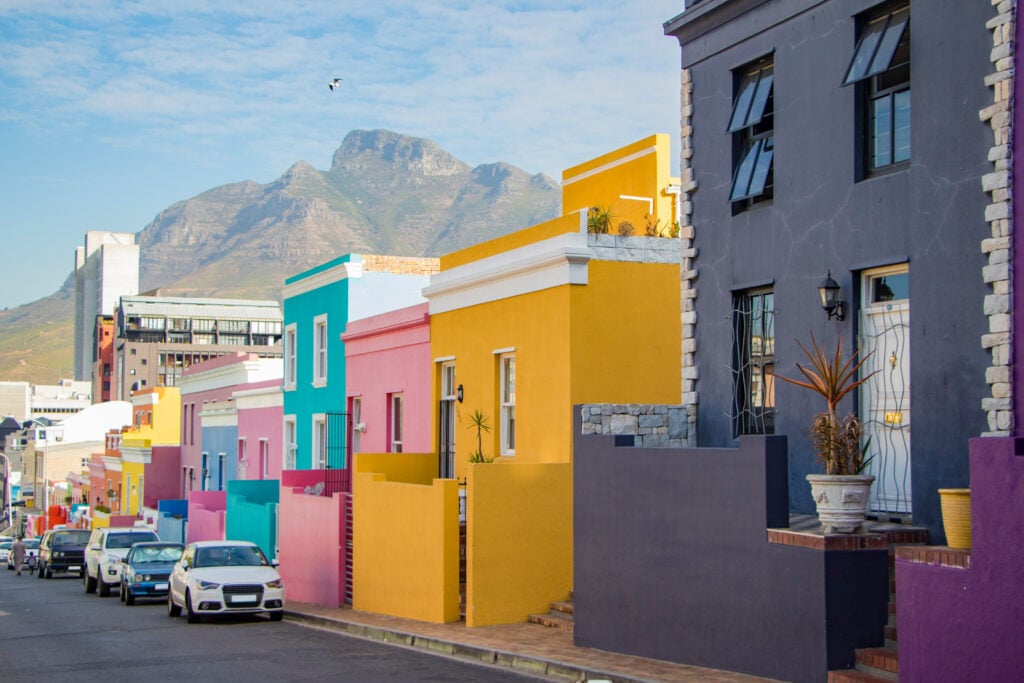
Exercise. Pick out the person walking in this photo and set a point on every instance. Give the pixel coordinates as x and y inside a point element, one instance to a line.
<point>18,554</point>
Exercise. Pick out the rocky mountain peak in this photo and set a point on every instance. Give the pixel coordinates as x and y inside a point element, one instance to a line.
<point>401,152</point>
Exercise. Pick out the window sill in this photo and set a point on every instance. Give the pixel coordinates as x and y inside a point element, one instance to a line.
<point>319,383</point>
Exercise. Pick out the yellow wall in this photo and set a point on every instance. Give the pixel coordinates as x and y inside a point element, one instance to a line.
<point>130,503</point>
<point>519,541</point>
<point>520,238</point>
<point>406,540</point>
<point>166,427</point>
<point>630,171</point>
<point>410,468</point>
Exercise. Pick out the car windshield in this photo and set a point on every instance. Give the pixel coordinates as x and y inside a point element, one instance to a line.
<point>130,539</point>
<point>31,543</point>
<point>156,553</point>
<point>230,555</point>
<point>70,538</point>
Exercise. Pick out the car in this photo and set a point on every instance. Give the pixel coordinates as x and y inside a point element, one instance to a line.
<point>31,555</point>
<point>62,550</point>
<point>5,548</point>
<point>146,570</point>
<point>225,577</point>
<point>107,546</point>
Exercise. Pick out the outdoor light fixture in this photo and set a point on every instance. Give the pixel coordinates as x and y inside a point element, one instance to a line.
<point>829,291</point>
<point>458,393</point>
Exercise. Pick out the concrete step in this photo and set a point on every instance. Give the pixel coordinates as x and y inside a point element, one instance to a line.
<point>552,620</point>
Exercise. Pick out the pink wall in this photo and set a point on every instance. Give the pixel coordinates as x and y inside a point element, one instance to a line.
<point>255,424</point>
<point>385,354</point>
<point>312,546</point>
<point>206,510</point>
<point>162,475</point>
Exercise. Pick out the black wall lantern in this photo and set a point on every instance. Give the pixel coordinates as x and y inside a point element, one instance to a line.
<point>458,393</point>
<point>829,291</point>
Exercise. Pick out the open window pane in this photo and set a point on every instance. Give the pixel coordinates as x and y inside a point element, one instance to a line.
<point>901,126</point>
<point>890,41</point>
<point>749,107</point>
<point>877,45</point>
<point>741,181</point>
<point>763,167</point>
<point>752,175</point>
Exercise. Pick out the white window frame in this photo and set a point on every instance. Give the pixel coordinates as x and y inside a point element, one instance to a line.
<point>291,338</point>
<point>320,351</point>
<point>507,402</point>
<point>288,443</point>
<point>396,421</point>
<point>358,427</point>
<point>264,458</point>
<point>243,458</point>
<point>318,451</point>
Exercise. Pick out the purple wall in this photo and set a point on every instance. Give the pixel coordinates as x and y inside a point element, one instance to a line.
<point>965,624</point>
<point>163,475</point>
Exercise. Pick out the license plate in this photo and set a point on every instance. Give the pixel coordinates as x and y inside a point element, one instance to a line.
<point>160,587</point>
<point>74,569</point>
<point>243,598</point>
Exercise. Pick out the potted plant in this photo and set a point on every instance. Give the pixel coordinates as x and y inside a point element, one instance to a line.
<point>841,494</point>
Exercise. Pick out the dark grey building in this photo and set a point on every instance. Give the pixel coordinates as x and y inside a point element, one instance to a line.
<point>842,139</point>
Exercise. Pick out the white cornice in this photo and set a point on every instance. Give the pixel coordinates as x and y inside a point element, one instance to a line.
<point>267,397</point>
<point>112,463</point>
<point>234,374</point>
<point>342,271</point>
<point>138,456</point>
<point>560,260</point>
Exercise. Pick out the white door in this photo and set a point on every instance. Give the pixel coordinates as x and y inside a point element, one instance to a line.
<point>885,398</point>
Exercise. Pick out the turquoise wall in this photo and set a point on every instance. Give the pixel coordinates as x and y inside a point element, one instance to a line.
<point>252,513</point>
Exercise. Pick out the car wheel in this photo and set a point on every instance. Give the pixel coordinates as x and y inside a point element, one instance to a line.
<point>90,583</point>
<point>120,591</point>
<point>103,588</point>
<point>129,599</point>
<point>276,616</point>
<point>172,609</point>
<point>193,617</point>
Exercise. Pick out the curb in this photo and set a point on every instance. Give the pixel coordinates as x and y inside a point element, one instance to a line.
<point>470,653</point>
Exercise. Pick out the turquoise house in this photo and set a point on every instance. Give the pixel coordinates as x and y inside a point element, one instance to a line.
<point>318,305</point>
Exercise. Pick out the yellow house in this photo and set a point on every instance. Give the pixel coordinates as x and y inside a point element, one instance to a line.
<point>523,328</point>
<point>156,421</point>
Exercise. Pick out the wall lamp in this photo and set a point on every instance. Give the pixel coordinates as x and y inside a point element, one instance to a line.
<point>829,292</point>
<point>459,393</point>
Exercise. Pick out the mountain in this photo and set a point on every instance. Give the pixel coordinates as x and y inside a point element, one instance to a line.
<point>385,193</point>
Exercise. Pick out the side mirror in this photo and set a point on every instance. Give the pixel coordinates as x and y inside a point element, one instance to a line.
<point>124,560</point>
<point>94,546</point>
<point>275,563</point>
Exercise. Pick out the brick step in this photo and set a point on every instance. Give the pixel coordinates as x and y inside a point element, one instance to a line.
<point>890,637</point>
<point>552,620</point>
<point>882,662</point>
<point>854,676</point>
<point>563,606</point>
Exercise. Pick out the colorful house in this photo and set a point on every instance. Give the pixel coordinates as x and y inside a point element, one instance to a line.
<point>319,304</point>
<point>522,328</point>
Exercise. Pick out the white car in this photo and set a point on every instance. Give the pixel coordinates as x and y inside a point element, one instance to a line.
<point>107,546</point>
<point>225,577</point>
<point>5,549</point>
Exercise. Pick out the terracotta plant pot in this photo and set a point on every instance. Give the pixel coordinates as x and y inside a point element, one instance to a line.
<point>842,500</point>
<point>956,517</point>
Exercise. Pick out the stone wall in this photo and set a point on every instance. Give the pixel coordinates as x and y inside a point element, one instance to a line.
<point>652,426</point>
<point>688,255</point>
<point>402,265</point>
<point>635,249</point>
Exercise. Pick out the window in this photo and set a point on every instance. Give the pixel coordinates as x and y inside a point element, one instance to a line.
<point>243,460</point>
<point>881,65</point>
<point>320,351</point>
<point>446,428</point>
<point>395,410</point>
<point>752,126</point>
<point>754,363</point>
<point>264,459</point>
<point>204,484</point>
<point>319,455</point>
<point>289,442</point>
<point>356,411</point>
<point>507,398</point>
<point>289,357</point>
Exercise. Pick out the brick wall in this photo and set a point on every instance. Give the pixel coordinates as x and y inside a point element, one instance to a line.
<point>403,265</point>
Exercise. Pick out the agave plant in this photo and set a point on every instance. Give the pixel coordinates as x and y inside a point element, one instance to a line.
<point>478,421</point>
<point>836,442</point>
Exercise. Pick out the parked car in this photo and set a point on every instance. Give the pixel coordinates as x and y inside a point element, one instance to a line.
<point>31,555</point>
<point>103,555</point>
<point>225,577</point>
<point>62,550</point>
<point>5,548</point>
<point>146,570</point>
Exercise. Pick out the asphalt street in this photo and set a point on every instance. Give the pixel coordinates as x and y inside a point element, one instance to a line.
<point>51,630</point>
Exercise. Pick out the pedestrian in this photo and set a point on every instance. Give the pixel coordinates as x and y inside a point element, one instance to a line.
<point>18,553</point>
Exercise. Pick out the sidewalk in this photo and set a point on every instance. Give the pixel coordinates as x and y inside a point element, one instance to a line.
<point>528,648</point>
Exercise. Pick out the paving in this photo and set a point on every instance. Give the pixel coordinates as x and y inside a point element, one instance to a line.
<point>528,648</point>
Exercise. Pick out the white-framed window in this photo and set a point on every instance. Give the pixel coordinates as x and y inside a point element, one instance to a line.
<point>264,458</point>
<point>355,411</point>
<point>396,405</point>
<point>507,400</point>
<point>243,460</point>
<point>446,436</point>
<point>319,441</point>
<point>290,357</point>
<point>320,351</point>
<point>289,442</point>
<point>205,485</point>
<point>220,471</point>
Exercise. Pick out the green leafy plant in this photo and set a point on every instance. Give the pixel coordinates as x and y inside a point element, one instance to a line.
<point>655,228</point>
<point>101,508</point>
<point>837,443</point>
<point>478,421</point>
<point>599,220</point>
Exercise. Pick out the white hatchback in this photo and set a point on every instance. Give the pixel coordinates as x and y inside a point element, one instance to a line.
<point>225,577</point>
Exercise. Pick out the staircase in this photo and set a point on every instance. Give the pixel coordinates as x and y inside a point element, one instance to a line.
<point>560,615</point>
<point>881,664</point>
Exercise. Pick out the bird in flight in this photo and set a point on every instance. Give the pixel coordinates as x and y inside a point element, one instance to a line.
<point>336,83</point>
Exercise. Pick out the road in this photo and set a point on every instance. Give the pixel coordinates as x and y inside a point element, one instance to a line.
<point>51,630</point>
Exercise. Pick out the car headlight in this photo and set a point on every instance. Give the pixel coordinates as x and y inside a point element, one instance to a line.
<point>58,554</point>
<point>276,583</point>
<point>112,558</point>
<point>206,585</point>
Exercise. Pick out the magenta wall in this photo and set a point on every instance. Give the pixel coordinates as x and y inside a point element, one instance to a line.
<point>206,511</point>
<point>262,423</point>
<point>163,475</point>
<point>385,354</point>
<point>965,624</point>
<point>311,542</point>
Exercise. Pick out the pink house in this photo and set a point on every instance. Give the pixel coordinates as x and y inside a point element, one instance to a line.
<point>260,417</point>
<point>388,383</point>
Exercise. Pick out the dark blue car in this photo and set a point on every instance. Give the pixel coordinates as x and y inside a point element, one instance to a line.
<point>145,570</point>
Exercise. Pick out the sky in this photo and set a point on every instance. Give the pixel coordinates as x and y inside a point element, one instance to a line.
<point>113,110</point>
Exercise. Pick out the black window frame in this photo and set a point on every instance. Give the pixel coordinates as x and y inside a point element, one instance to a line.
<point>751,123</point>
<point>753,409</point>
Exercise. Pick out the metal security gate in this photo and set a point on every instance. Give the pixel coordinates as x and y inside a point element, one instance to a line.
<point>446,439</point>
<point>336,465</point>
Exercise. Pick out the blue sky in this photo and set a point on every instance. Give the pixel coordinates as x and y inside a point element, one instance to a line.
<point>112,110</point>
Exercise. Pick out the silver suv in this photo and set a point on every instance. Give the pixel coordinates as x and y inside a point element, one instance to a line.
<point>103,556</point>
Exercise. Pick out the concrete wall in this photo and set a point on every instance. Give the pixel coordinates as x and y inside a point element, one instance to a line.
<point>172,519</point>
<point>312,542</point>
<point>252,508</point>
<point>162,475</point>
<point>206,511</point>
